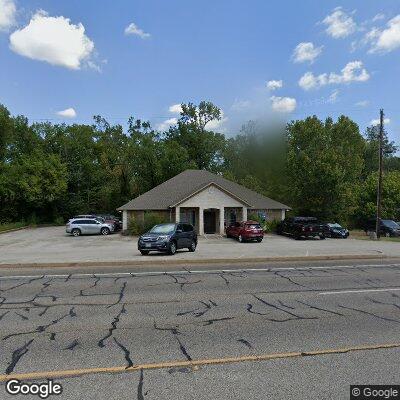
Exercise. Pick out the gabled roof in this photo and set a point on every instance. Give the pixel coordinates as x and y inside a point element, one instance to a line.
<point>173,191</point>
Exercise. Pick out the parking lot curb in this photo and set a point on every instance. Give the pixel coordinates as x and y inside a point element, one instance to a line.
<point>15,229</point>
<point>173,261</point>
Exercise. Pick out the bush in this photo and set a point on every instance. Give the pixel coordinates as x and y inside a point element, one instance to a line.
<point>150,219</point>
<point>268,226</point>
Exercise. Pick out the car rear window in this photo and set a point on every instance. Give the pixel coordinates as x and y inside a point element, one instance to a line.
<point>187,228</point>
<point>253,226</point>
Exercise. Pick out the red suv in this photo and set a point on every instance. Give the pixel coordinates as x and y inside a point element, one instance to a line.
<point>248,230</point>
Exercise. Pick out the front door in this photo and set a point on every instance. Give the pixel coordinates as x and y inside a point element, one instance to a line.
<point>210,219</point>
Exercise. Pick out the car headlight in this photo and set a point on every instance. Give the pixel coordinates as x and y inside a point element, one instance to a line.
<point>163,237</point>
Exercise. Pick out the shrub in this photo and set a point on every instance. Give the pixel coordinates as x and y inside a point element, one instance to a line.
<point>136,227</point>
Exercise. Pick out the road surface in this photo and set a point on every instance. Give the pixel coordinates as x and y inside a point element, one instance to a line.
<point>278,331</point>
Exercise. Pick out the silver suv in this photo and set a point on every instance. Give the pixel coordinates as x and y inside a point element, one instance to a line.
<point>88,226</point>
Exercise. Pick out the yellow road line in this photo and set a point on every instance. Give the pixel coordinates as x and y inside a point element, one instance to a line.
<point>193,363</point>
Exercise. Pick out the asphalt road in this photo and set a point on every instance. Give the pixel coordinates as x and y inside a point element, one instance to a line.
<point>279,331</point>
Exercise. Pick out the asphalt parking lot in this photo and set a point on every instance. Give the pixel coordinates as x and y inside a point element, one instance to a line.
<point>52,244</point>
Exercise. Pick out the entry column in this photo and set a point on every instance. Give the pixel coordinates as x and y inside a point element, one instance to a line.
<point>221,220</point>
<point>201,221</point>
<point>244,214</point>
<point>177,214</point>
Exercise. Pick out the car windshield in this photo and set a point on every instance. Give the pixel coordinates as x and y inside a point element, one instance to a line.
<point>164,228</point>
<point>390,224</point>
<point>337,226</point>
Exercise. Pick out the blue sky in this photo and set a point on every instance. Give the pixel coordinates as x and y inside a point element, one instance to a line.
<point>224,51</point>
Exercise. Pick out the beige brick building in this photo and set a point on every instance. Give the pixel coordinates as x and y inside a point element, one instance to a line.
<point>208,201</point>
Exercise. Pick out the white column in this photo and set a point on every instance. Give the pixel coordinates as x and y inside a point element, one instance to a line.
<point>201,221</point>
<point>177,214</point>
<point>221,220</point>
<point>244,214</point>
<point>124,220</point>
<point>283,215</point>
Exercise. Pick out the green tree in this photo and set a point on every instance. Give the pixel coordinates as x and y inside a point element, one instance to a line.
<point>204,147</point>
<point>390,197</point>
<point>324,164</point>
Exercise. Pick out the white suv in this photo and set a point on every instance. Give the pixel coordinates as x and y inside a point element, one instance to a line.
<point>88,226</point>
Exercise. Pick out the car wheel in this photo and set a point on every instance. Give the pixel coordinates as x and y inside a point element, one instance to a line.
<point>322,237</point>
<point>105,231</point>
<point>240,239</point>
<point>259,240</point>
<point>387,234</point>
<point>192,246</point>
<point>76,232</point>
<point>172,249</point>
<point>144,252</point>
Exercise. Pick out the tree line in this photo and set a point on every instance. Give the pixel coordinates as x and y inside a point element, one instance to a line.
<point>49,172</point>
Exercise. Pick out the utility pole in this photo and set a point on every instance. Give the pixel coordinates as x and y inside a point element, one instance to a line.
<point>379,189</point>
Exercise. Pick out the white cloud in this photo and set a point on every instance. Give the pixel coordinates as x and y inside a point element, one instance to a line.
<point>217,125</point>
<point>339,24</point>
<point>352,72</point>
<point>362,103</point>
<point>54,40</point>
<point>175,109</point>
<point>333,97</point>
<point>133,29</point>
<point>273,85</point>
<point>166,124</point>
<point>67,113</point>
<point>240,105</point>
<point>385,40</point>
<point>8,12</point>
<point>374,122</point>
<point>283,104</point>
<point>306,51</point>
<point>378,17</point>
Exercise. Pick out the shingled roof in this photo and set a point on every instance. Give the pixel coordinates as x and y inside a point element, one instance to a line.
<point>180,187</point>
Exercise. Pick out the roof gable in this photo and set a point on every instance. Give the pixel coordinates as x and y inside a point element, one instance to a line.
<point>189,182</point>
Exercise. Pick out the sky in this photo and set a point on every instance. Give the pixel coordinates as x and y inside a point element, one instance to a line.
<point>65,61</point>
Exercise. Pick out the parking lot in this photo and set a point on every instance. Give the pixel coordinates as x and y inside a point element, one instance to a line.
<point>52,244</point>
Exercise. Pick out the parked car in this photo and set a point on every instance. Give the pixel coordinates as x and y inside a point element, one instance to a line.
<point>168,238</point>
<point>112,219</point>
<point>244,231</point>
<point>88,226</point>
<point>299,227</point>
<point>387,227</point>
<point>335,230</point>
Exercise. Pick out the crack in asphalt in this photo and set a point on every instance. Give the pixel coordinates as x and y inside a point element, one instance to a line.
<point>140,387</point>
<point>246,343</point>
<point>121,295</point>
<point>283,310</point>
<point>174,331</point>
<point>183,350</point>
<point>225,279</point>
<point>114,323</point>
<point>39,329</point>
<point>369,313</point>
<point>127,353</point>
<point>17,355</point>
<point>278,273</point>
<point>71,346</point>
<point>23,283</point>
<point>320,309</point>
<point>211,321</point>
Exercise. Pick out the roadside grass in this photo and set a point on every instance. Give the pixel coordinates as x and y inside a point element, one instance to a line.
<point>12,225</point>
<point>359,234</point>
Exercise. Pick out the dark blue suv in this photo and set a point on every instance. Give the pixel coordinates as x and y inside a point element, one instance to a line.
<point>168,238</point>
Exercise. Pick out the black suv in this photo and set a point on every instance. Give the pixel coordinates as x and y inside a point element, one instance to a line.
<point>168,238</point>
<point>387,227</point>
<point>299,227</point>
